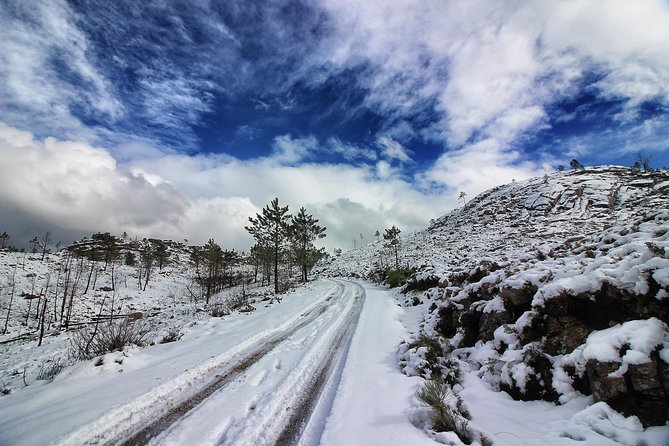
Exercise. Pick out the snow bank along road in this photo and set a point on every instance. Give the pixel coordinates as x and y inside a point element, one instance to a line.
<point>272,377</point>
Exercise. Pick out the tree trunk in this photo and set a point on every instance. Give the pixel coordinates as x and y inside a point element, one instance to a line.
<point>42,323</point>
<point>276,268</point>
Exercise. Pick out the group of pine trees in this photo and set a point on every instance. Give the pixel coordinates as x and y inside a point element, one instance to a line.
<point>282,239</point>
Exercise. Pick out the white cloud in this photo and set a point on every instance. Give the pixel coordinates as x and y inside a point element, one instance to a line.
<point>289,150</point>
<point>392,150</point>
<point>491,69</point>
<point>40,32</point>
<point>73,185</point>
<point>383,169</point>
<point>480,166</point>
<point>350,152</point>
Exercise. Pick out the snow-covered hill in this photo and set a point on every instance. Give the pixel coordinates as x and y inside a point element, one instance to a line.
<point>550,288</point>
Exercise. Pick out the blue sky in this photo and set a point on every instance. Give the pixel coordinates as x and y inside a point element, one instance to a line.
<point>181,119</point>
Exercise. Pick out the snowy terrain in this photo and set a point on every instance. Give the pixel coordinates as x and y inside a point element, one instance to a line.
<point>552,289</point>
<point>339,360</point>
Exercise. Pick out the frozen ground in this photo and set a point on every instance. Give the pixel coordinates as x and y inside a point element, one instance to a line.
<point>89,404</point>
<point>366,400</point>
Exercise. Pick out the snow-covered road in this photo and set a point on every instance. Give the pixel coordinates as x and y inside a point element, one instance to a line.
<point>319,368</point>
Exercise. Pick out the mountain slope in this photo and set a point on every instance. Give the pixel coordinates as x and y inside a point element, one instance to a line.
<point>550,288</point>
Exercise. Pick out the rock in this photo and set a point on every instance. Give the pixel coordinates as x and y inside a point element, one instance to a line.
<point>518,297</point>
<point>469,321</point>
<point>538,384</point>
<point>564,334</point>
<point>490,322</point>
<point>644,379</point>
<point>639,392</point>
<point>604,387</point>
<point>448,321</point>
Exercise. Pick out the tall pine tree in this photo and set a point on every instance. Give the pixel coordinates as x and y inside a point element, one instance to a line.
<point>271,229</point>
<point>393,237</point>
<point>304,230</point>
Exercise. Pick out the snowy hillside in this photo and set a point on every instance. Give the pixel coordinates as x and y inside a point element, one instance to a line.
<point>554,288</point>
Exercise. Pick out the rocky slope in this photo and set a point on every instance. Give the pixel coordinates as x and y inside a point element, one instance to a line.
<point>551,287</point>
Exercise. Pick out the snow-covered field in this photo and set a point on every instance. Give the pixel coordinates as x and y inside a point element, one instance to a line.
<point>367,400</point>
<point>339,361</point>
<point>97,404</point>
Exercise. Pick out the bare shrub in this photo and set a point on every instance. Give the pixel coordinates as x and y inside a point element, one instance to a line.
<point>237,301</point>
<point>108,337</point>
<point>656,249</point>
<point>219,310</point>
<point>49,369</point>
<point>173,335</point>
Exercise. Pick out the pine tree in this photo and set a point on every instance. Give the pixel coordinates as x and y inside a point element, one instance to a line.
<point>271,229</point>
<point>304,230</point>
<point>392,235</point>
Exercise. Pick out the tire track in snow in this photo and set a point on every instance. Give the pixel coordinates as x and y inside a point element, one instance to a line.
<point>136,423</point>
<point>309,416</point>
<point>282,417</point>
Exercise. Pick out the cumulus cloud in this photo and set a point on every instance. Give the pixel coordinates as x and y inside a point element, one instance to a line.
<point>68,184</point>
<point>480,166</point>
<point>74,185</point>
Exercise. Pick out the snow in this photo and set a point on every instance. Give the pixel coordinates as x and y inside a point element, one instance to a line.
<point>98,398</point>
<point>86,404</point>
<point>373,397</point>
<point>642,337</point>
<point>545,239</point>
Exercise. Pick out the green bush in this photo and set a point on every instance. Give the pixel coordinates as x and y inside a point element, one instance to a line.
<point>445,418</point>
<point>397,277</point>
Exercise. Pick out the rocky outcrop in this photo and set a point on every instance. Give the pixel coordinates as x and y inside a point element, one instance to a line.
<point>642,391</point>
<point>561,326</point>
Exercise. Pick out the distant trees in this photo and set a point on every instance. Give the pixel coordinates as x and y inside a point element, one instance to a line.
<point>214,268</point>
<point>575,164</point>
<point>3,239</point>
<point>44,243</point>
<point>281,237</point>
<point>642,163</point>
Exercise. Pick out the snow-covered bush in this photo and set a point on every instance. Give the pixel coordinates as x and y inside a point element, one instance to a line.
<point>108,337</point>
<point>173,335</point>
<point>49,369</point>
